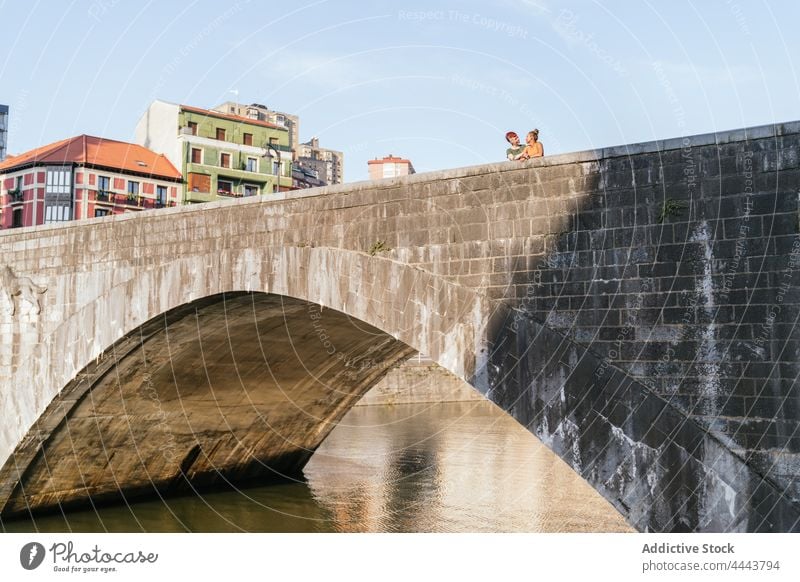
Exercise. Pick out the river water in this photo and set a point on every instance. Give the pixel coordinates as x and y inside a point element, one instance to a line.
<point>443,467</point>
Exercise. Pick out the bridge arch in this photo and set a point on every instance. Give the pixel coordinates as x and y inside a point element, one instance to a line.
<point>329,308</point>
<point>225,389</point>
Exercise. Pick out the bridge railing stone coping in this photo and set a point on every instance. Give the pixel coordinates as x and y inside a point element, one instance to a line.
<point>594,155</point>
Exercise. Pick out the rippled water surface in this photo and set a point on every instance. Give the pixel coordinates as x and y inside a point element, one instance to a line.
<point>447,467</point>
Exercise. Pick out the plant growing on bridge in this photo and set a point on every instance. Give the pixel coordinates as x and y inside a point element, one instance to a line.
<point>378,247</point>
<point>670,208</point>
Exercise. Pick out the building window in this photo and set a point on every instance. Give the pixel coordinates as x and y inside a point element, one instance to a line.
<point>19,183</point>
<point>161,195</point>
<point>133,188</point>
<point>57,213</point>
<point>58,195</point>
<point>59,181</point>
<point>220,134</point>
<point>16,218</point>
<point>98,212</point>
<point>224,187</point>
<point>389,171</point>
<point>197,156</point>
<point>225,160</point>
<point>276,167</point>
<point>247,139</point>
<point>104,185</point>
<point>252,165</point>
<point>250,190</point>
<point>193,127</point>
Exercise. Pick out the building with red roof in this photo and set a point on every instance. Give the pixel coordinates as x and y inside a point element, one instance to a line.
<point>84,177</point>
<point>389,167</point>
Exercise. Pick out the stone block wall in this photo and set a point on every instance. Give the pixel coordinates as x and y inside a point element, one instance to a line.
<point>683,270</point>
<point>417,381</point>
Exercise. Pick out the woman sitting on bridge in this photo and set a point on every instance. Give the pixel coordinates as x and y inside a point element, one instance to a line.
<point>534,149</point>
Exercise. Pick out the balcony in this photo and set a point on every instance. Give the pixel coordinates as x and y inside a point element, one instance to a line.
<point>197,196</point>
<point>281,147</point>
<point>16,195</point>
<point>128,201</point>
<point>116,199</point>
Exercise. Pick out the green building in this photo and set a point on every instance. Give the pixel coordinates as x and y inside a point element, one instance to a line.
<point>220,155</point>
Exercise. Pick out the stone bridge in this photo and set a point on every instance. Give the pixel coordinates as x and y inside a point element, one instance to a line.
<point>634,307</point>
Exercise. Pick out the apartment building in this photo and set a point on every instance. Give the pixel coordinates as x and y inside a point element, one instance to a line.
<point>389,167</point>
<point>220,155</point>
<point>327,163</point>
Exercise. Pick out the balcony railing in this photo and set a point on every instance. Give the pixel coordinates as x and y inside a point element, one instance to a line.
<point>16,195</point>
<point>236,193</point>
<point>129,201</point>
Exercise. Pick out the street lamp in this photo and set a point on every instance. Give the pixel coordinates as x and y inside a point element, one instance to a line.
<point>277,169</point>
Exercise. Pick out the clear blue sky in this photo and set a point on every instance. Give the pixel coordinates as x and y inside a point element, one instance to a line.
<point>437,82</point>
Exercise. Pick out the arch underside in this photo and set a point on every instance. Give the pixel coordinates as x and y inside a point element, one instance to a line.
<point>228,389</point>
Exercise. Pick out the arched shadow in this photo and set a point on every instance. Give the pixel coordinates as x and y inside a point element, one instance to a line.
<point>228,389</point>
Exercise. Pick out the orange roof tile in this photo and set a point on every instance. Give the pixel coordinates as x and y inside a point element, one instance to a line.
<point>92,151</point>
<point>231,117</point>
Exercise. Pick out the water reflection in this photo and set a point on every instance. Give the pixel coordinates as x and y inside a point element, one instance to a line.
<point>449,467</point>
